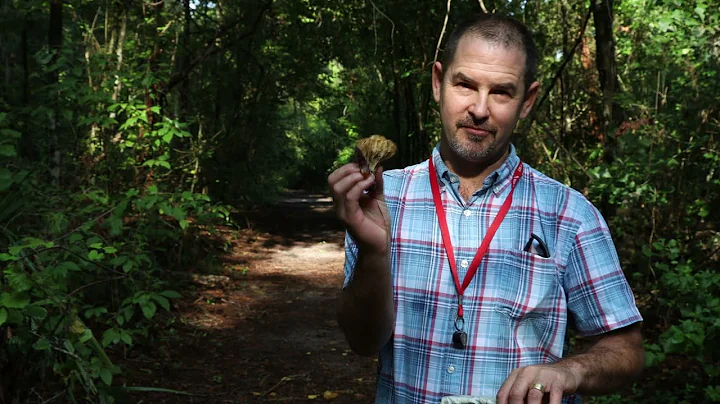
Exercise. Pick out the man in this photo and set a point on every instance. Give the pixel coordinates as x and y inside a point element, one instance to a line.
<point>461,271</point>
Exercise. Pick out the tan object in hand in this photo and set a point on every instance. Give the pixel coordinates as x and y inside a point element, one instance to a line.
<point>373,150</point>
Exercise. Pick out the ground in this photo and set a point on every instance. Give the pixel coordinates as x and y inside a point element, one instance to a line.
<point>263,327</point>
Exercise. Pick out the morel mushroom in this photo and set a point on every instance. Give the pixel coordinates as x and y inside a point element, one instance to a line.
<point>372,151</point>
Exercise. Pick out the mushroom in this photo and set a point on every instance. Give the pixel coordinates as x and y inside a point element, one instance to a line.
<point>373,150</point>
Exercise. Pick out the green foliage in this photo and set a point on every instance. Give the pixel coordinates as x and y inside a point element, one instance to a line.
<point>56,294</point>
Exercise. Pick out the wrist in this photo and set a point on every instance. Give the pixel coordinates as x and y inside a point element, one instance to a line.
<point>575,373</point>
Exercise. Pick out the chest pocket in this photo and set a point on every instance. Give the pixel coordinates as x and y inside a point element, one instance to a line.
<point>528,286</point>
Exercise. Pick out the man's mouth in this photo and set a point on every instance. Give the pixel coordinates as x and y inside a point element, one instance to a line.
<point>475,131</point>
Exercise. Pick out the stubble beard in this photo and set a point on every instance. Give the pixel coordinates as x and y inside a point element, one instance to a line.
<point>472,149</point>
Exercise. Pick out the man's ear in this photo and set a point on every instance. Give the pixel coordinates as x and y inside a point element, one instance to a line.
<point>530,97</point>
<point>437,77</point>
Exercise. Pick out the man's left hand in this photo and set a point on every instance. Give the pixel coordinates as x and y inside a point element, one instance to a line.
<point>551,382</point>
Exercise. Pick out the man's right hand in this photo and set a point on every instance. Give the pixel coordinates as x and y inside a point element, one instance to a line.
<point>365,215</point>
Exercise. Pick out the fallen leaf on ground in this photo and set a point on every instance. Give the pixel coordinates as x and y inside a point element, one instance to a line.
<point>330,395</point>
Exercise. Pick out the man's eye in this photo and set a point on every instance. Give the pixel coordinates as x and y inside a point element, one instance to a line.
<point>504,93</point>
<point>465,85</point>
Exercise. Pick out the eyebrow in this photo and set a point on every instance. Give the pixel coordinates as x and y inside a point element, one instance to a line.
<point>463,77</point>
<point>509,87</point>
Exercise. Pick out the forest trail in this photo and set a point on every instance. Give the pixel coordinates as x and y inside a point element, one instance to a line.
<point>263,327</point>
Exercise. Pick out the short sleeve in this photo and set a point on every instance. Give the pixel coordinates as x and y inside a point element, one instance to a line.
<point>598,294</point>
<point>351,253</point>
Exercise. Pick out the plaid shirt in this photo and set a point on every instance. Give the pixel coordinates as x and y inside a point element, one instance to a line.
<point>517,305</point>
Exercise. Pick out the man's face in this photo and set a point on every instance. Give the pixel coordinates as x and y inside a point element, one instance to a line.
<point>481,97</point>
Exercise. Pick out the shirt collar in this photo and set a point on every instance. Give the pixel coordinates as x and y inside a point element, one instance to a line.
<point>497,180</point>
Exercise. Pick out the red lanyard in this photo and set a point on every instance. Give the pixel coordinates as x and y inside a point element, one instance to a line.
<point>486,240</point>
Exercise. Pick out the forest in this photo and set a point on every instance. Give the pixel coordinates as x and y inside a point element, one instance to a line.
<point>145,144</point>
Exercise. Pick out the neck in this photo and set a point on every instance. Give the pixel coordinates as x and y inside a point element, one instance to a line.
<point>472,172</point>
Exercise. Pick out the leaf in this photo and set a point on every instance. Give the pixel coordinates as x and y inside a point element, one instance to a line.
<point>3,315</point>
<point>106,376</point>
<point>77,327</point>
<point>149,310</point>
<point>69,346</point>
<point>8,257</point>
<point>126,338</point>
<point>109,336</point>
<point>330,395</point>
<point>94,255</point>
<point>179,214</point>
<point>70,266</point>
<point>86,336</point>
<point>162,301</point>
<point>7,150</point>
<point>15,317</point>
<point>5,179</point>
<point>171,294</point>
<point>312,396</point>
<point>129,313</point>
<point>9,133</point>
<point>42,344</point>
<point>184,224</point>
<point>15,300</point>
<point>110,250</point>
<point>128,266</point>
<point>36,311</point>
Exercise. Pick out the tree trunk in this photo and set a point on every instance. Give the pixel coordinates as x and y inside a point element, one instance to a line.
<point>55,43</point>
<point>185,63</point>
<point>605,58</point>
<point>119,53</point>
<point>607,70</point>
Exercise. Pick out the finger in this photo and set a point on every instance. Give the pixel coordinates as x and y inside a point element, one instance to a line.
<point>503,394</point>
<point>341,172</point>
<point>534,396</point>
<point>556,394</point>
<point>353,196</point>
<point>519,392</point>
<point>340,188</point>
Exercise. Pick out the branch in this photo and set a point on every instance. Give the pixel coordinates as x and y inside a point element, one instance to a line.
<point>482,5</point>
<point>442,33</point>
<point>560,70</point>
<point>392,32</point>
<point>558,73</point>
<point>178,77</point>
<point>95,283</point>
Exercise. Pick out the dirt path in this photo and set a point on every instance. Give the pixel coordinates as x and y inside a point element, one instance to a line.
<point>263,328</point>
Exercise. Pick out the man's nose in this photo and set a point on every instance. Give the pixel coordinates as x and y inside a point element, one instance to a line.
<point>479,108</point>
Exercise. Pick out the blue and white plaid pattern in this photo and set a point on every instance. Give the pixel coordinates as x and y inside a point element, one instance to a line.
<point>517,305</point>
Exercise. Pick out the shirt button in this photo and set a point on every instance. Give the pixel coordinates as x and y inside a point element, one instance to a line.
<point>451,369</point>
<point>467,213</point>
<point>453,179</point>
<point>464,263</point>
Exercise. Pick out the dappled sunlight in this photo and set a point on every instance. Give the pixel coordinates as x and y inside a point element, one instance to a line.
<point>265,322</point>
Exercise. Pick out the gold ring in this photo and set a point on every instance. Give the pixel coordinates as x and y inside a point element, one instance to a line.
<point>539,386</point>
